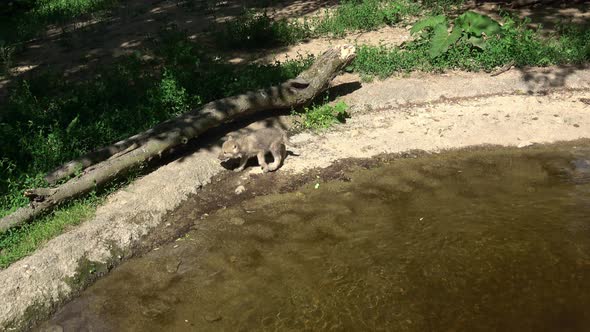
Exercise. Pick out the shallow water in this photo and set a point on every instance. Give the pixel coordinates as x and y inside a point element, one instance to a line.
<point>495,240</point>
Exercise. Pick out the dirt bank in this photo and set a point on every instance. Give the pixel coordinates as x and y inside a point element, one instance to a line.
<point>425,112</point>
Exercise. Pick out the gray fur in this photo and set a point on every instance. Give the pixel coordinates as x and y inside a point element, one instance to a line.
<point>257,143</point>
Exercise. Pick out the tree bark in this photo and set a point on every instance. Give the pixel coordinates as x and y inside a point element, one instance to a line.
<point>116,160</point>
<point>70,168</point>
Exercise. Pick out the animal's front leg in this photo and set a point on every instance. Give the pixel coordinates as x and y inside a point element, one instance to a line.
<point>243,162</point>
<point>262,161</point>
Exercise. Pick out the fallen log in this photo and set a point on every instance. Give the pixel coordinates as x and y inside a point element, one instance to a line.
<point>120,158</point>
<point>70,168</point>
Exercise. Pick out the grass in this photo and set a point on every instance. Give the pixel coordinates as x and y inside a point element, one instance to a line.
<point>48,121</point>
<point>20,242</point>
<point>366,15</point>
<point>323,116</point>
<point>257,30</point>
<point>24,19</point>
<point>518,44</point>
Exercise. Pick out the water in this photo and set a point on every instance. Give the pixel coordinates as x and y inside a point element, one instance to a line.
<point>495,240</point>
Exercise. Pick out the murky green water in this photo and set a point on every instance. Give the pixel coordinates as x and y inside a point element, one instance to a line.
<point>471,241</point>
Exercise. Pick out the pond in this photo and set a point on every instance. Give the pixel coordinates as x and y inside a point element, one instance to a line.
<point>474,240</point>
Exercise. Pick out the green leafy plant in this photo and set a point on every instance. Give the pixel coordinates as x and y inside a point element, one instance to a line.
<point>515,43</point>
<point>470,27</point>
<point>172,96</point>
<point>324,116</point>
<point>396,11</point>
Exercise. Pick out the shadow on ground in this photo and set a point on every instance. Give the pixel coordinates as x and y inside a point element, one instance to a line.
<point>76,48</point>
<point>546,78</point>
<point>546,14</point>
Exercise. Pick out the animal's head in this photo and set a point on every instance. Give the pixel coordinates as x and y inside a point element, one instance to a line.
<point>229,149</point>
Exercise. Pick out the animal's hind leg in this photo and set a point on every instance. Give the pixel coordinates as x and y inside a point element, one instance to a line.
<point>283,152</point>
<point>278,153</point>
<point>262,162</point>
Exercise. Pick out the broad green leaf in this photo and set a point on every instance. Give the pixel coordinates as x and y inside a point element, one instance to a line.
<point>442,40</point>
<point>429,22</point>
<point>478,42</point>
<point>73,124</point>
<point>474,23</point>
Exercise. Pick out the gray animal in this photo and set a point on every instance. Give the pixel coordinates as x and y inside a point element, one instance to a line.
<point>257,143</point>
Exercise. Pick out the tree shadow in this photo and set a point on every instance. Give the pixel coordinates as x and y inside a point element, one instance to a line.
<point>77,48</point>
<point>543,79</point>
<point>547,14</point>
<point>550,16</point>
<point>342,89</point>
